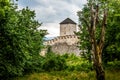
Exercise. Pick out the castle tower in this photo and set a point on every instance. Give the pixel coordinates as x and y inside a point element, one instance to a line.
<point>67,27</point>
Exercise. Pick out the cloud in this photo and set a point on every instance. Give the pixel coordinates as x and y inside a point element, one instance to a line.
<point>45,14</point>
<point>52,29</point>
<point>52,12</point>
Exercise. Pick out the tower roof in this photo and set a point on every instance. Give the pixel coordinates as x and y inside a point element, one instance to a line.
<point>67,21</point>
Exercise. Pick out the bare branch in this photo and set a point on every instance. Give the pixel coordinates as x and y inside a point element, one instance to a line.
<point>92,16</point>
<point>102,36</point>
<point>97,10</point>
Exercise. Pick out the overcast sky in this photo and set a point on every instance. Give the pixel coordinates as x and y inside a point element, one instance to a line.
<point>52,12</point>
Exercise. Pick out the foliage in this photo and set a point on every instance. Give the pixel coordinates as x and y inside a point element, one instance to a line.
<point>113,65</point>
<point>112,49</point>
<point>20,41</point>
<point>33,65</point>
<point>75,63</point>
<point>53,62</point>
<point>70,62</point>
<point>75,68</point>
<point>4,5</point>
<point>83,35</point>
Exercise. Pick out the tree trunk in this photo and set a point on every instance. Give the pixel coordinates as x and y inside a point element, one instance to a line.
<point>100,73</point>
<point>97,61</point>
<point>97,46</point>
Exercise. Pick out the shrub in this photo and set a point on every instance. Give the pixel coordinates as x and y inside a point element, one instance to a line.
<point>113,65</point>
<point>84,67</point>
<point>53,62</point>
<point>33,64</point>
<point>77,63</point>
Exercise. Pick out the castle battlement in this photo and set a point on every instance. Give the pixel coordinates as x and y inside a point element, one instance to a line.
<point>69,39</point>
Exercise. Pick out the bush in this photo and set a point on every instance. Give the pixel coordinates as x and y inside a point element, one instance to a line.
<point>53,62</point>
<point>84,67</point>
<point>33,65</point>
<point>113,65</point>
<point>77,63</point>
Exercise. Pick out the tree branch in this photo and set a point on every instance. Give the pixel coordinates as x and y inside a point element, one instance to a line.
<point>102,36</point>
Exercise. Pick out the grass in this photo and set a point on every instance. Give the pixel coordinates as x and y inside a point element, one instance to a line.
<point>67,75</point>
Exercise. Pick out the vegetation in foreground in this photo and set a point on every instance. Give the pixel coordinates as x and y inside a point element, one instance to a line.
<point>68,75</point>
<point>72,68</point>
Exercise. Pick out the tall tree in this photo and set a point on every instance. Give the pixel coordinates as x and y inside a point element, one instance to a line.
<point>112,49</point>
<point>95,24</point>
<point>20,40</point>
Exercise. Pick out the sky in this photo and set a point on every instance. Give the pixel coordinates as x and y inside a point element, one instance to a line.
<point>51,12</point>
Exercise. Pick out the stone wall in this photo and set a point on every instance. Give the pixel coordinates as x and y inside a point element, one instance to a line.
<point>67,29</point>
<point>62,48</point>
<point>64,44</point>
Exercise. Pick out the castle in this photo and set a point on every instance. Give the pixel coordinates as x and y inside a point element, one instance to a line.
<point>67,41</point>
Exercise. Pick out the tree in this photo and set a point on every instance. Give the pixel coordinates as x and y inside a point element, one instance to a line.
<point>20,40</point>
<point>95,24</point>
<point>84,35</point>
<point>112,49</point>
